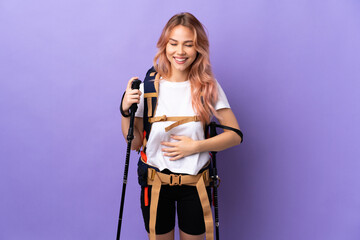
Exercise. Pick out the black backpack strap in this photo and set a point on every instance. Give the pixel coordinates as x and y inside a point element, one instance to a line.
<point>151,84</point>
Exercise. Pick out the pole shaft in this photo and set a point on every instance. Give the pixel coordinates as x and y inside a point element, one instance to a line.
<point>130,137</point>
<point>216,202</point>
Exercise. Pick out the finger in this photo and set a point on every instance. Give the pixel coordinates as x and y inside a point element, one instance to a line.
<point>136,97</point>
<point>176,137</point>
<point>169,150</point>
<point>130,82</point>
<point>135,100</point>
<point>131,101</point>
<point>134,92</point>
<point>175,158</point>
<point>166,150</point>
<point>130,96</point>
<point>171,154</point>
<point>168,144</point>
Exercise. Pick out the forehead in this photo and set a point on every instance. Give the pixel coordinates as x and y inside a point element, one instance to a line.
<point>181,33</point>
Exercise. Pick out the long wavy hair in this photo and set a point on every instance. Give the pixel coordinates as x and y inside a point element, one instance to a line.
<point>203,85</point>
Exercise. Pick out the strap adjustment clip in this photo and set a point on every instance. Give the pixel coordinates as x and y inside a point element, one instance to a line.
<point>216,181</point>
<point>163,118</point>
<point>152,173</point>
<point>175,180</point>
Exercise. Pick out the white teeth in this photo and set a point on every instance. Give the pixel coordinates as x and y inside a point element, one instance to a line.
<point>180,59</point>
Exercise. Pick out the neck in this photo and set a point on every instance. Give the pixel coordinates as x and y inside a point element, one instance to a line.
<point>178,76</point>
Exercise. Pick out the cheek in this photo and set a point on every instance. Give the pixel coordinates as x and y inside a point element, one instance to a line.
<point>193,57</point>
<point>169,50</point>
<point>168,54</point>
<point>193,54</point>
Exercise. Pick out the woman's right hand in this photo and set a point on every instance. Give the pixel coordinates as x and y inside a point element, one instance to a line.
<point>131,96</point>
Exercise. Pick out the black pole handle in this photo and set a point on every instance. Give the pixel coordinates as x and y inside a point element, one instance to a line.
<point>135,85</point>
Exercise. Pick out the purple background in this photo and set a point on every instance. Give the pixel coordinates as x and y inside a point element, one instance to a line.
<point>290,70</point>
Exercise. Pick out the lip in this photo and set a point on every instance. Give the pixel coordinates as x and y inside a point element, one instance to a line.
<point>182,60</point>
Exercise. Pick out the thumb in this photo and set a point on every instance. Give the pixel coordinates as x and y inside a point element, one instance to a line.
<point>130,82</point>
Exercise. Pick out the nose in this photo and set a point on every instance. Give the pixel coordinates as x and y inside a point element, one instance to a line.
<point>180,49</point>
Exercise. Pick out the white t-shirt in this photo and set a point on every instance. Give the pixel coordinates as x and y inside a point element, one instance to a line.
<point>175,100</point>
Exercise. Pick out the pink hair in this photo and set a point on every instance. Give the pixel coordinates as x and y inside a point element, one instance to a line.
<point>201,77</point>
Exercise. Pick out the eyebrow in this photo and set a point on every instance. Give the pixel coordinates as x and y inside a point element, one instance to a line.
<point>184,41</point>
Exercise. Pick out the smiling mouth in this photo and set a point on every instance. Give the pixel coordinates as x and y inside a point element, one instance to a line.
<point>180,60</point>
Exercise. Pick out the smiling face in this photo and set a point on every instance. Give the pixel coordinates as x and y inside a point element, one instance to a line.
<point>180,50</point>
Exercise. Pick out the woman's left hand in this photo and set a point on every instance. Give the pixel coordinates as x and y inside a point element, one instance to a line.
<point>185,146</point>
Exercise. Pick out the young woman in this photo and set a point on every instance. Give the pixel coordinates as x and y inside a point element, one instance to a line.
<point>187,87</point>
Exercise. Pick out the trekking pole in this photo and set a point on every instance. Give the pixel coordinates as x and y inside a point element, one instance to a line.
<point>216,180</point>
<point>130,137</point>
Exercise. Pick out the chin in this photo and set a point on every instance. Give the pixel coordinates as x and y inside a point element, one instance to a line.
<point>182,68</point>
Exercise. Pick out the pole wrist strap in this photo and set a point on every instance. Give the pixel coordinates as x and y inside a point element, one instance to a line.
<point>121,109</point>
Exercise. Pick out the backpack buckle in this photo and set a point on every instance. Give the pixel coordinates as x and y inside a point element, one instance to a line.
<point>175,180</point>
<point>151,174</point>
<point>163,118</point>
<point>216,181</point>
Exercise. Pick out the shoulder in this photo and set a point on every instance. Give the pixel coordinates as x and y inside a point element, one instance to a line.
<point>151,70</point>
<point>219,88</point>
<point>150,74</point>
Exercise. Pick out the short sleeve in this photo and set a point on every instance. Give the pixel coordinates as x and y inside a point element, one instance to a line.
<point>222,101</point>
<point>140,110</point>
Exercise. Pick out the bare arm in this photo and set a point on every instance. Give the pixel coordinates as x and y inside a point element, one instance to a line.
<point>224,140</point>
<point>132,96</point>
<point>137,141</point>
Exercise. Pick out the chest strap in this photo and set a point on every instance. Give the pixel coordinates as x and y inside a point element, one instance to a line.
<point>201,180</point>
<point>179,120</point>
